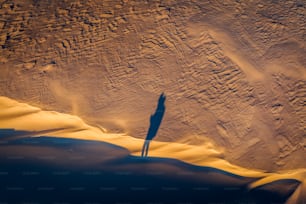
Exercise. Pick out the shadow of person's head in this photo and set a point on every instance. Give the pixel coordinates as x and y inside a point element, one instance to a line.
<point>161,99</point>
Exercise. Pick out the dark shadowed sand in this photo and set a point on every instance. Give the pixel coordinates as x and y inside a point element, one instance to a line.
<point>49,170</point>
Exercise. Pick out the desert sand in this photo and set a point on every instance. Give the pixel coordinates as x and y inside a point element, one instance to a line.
<point>234,73</point>
<point>35,122</point>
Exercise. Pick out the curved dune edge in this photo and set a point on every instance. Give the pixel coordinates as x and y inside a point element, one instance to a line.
<point>21,116</point>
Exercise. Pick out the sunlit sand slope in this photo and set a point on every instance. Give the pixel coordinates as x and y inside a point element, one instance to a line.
<point>233,71</point>
<point>23,117</point>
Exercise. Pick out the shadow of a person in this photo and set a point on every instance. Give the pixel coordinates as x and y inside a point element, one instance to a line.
<point>155,121</point>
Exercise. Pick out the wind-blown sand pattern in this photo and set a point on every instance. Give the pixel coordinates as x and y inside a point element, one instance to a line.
<point>233,71</point>
<point>36,122</point>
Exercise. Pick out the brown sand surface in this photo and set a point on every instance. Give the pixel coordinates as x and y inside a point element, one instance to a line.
<point>233,71</point>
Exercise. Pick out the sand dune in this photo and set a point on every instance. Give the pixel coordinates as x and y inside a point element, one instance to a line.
<point>233,71</point>
<point>23,117</point>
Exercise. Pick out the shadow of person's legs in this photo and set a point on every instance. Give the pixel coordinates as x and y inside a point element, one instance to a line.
<point>145,148</point>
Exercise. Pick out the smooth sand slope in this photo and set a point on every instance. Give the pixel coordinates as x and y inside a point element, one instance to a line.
<point>34,121</point>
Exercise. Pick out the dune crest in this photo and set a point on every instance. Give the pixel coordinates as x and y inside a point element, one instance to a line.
<point>23,117</point>
<point>46,123</point>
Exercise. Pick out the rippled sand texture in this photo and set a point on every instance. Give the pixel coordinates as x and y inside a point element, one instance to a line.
<point>233,71</point>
